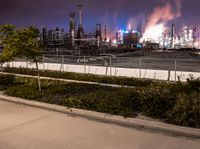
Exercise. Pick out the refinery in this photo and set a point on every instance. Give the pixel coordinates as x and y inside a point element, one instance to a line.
<point>155,37</point>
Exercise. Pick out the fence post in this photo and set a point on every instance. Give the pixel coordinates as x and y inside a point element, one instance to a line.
<point>140,65</point>
<point>26,64</point>
<point>62,61</point>
<point>175,67</point>
<point>57,53</point>
<point>110,66</point>
<point>84,65</point>
<point>43,61</point>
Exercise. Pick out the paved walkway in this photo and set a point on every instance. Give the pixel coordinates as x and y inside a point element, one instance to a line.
<point>23,127</point>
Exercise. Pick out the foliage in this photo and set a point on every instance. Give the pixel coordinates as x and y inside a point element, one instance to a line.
<point>84,77</point>
<point>186,111</point>
<point>119,101</point>
<point>6,34</point>
<point>193,85</point>
<point>21,43</point>
<point>174,103</point>
<point>157,100</point>
<point>6,81</point>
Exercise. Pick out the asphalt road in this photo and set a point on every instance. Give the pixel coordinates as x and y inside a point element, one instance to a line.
<point>190,65</point>
<point>23,127</point>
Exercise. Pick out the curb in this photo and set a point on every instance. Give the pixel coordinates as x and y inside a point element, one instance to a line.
<point>152,126</point>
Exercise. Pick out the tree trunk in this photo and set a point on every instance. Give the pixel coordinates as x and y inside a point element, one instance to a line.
<point>39,83</point>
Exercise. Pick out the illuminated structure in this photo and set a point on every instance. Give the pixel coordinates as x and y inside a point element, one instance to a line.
<point>156,35</point>
<point>170,39</point>
<point>128,38</point>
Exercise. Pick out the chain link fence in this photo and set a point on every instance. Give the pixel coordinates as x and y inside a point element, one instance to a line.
<point>188,65</point>
<point>163,69</point>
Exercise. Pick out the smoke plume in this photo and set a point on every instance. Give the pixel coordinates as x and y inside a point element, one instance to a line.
<point>161,15</point>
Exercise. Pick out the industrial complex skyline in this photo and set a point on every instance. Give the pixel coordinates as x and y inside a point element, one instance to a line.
<point>115,13</point>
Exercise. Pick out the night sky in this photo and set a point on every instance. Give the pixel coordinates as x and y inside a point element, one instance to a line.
<point>115,13</point>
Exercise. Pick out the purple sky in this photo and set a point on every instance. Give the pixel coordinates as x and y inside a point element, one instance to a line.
<point>115,13</point>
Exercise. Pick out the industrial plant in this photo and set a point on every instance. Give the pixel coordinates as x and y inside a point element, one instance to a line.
<point>77,42</point>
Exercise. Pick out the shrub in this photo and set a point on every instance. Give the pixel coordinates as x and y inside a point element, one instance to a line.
<point>186,111</point>
<point>7,80</point>
<point>193,85</point>
<point>83,77</point>
<point>24,91</point>
<point>157,100</point>
<point>177,103</point>
<point>121,102</point>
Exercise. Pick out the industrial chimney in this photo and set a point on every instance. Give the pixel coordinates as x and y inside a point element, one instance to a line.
<point>80,26</point>
<point>172,35</point>
<point>98,32</point>
<point>105,32</point>
<point>72,26</point>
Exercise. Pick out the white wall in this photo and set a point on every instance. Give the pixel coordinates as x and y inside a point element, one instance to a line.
<point>114,71</point>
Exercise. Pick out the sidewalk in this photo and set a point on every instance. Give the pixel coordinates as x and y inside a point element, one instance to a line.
<point>152,126</point>
<point>25,127</point>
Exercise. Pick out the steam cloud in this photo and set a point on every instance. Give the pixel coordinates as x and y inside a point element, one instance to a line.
<point>161,15</point>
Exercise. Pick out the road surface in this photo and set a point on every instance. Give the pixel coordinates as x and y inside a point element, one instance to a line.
<point>23,127</point>
<point>190,65</point>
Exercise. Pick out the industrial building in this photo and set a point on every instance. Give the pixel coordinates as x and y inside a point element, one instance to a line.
<point>77,42</point>
<point>187,38</point>
<point>128,39</point>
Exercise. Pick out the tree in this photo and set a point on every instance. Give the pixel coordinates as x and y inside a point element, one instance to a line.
<point>31,47</point>
<point>6,32</point>
<point>21,43</point>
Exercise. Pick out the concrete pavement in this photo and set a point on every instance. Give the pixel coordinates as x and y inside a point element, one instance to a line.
<point>137,123</point>
<point>23,127</point>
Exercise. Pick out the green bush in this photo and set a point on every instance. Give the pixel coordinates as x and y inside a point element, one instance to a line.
<point>193,85</point>
<point>157,100</point>
<point>186,111</point>
<point>177,103</point>
<point>83,77</point>
<point>6,81</point>
<point>85,96</point>
<point>24,91</point>
<point>121,102</point>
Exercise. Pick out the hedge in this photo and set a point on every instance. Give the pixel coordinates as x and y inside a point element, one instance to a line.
<point>6,81</point>
<point>173,103</point>
<point>83,77</point>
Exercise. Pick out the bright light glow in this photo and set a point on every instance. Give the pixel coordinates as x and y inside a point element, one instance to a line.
<point>153,32</point>
<point>114,41</point>
<point>196,45</point>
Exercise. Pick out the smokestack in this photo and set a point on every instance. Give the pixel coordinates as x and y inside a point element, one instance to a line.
<point>80,27</point>
<point>105,30</point>
<point>172,35</point>
<point>80,14</point>
<point>72,26</point>
<point>164,38</point>
<point>98,31</point>
<point>194,32</point>
<point>44,36</point>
